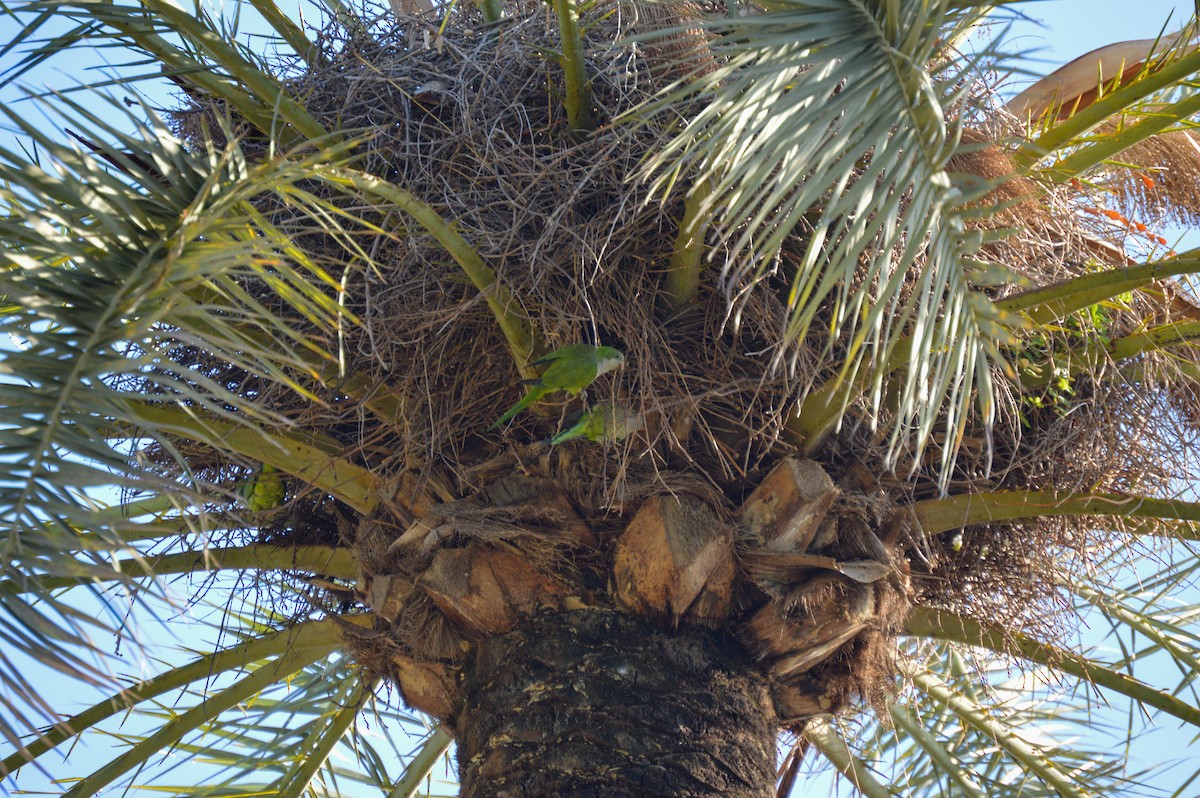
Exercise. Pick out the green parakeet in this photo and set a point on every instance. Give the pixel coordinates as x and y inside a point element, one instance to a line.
<point>265,490</point>
<point>607,421</point>
<point>571,369</point>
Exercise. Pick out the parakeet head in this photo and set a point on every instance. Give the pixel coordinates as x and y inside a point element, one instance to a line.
<point>609,360</point>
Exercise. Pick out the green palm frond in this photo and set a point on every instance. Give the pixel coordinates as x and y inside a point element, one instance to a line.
<point>1146,625</point>
<point>278,711</point>
<point>510,316</point>
<point>196,718</point>
<point>116,254</point>
<point>826,739</point>
<point>319,733</point>
<point>827,118</point>
<point>1110,675</point>
<point>1155,97</point>
<point>421,763</point>
<point>1005,735</point>
<point>206,667</point>
<point>1120,119</point>
<point>203,59</point>
<point>1070,685</point>
<point>954,512</point>
<point>576,92</point>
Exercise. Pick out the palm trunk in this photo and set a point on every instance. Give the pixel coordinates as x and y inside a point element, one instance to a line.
<point>662,664</point>
<point>599,703</point>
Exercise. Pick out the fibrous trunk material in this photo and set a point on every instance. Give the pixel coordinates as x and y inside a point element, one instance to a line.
<point>600,703</point>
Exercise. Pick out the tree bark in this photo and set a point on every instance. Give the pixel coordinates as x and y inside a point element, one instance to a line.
<point>600,703</point>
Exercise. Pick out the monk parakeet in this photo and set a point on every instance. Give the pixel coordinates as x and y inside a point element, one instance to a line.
<point>264,491</point>
<point>571,368</point>
<point>607,421</point>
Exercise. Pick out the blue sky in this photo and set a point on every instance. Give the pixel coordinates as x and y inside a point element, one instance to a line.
<point>1072,27</point>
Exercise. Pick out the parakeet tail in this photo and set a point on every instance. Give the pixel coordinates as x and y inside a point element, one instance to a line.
<point>508,415</point>
<point>529,399</point>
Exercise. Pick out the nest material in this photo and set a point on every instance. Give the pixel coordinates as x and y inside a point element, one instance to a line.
<point>1164,185</point>
<point>468,120</point>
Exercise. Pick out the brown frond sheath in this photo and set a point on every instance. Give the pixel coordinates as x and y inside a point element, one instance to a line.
<point>428,686</point>
<point>674,561</point>
<point>828,612</point>
<point>485,591</point>
<point>801,698</point>
<point>1073,87</point>
<point>786,509</point>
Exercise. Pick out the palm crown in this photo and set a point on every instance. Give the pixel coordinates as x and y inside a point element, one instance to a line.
<point>901,371</point>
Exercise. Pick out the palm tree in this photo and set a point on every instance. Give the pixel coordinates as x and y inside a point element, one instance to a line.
<point>909,382</point>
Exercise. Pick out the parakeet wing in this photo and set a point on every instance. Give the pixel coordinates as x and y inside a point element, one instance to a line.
<point>568,352</point>
<point>570,375</point>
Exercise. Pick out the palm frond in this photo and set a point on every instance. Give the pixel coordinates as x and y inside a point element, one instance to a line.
<point>1120,118</point>
<point>1112,676</point>
<point>131,246</point>
<point>953,512</point>
<point>421,764</point>
<point>1047,303</point>
<point>280,711</point>
<point>133,249</point>
<point>951,765</point>
<point>324,560</point>
<point>205,667</point>
<point>825,738</point>
<point>288,30</point>
<point>1141,71</point>
<point>577,96</point>
<point>819,412</point>
<point>512,319</point>
<point>316,734</point>
<point>196,718</point>
<point>954,733</point>
<point>308,456</point>
<point>1155,627</point>
<point>220,67</point>
<point>825,117</point>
